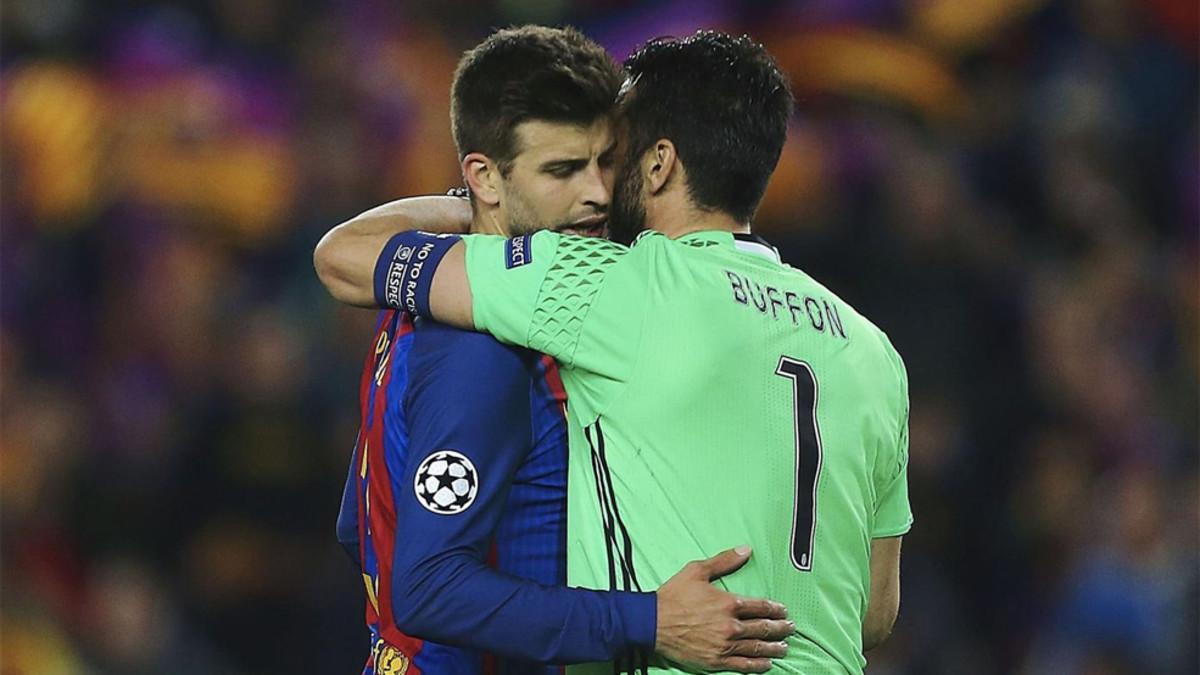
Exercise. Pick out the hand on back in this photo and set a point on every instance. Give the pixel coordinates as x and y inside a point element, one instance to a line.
<point>701,626</point>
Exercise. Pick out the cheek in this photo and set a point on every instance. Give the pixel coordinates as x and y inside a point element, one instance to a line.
<point>609,177</point>
<point>557,196</point>
<point>547,189</point>
<point>544,202</point>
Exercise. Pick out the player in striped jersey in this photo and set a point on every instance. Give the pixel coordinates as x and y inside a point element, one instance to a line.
<point>461,454</point>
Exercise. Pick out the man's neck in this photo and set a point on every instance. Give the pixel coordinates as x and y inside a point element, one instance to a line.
<point>680,222</point>
<point>486,221</point>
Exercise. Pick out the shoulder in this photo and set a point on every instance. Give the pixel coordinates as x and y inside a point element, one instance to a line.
<point>571,249</point>
<point>891,369</point>
<point>877,341</point>
<point>543,250</point>
<point>889,355</point>
<point>466,356</point>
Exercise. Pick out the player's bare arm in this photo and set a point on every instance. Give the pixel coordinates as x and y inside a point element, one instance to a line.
<point>884,604</point>
<point>346,254</point>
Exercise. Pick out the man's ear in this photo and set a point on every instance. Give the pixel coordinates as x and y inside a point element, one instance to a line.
<point>658,164</point>
<point>483,177</point>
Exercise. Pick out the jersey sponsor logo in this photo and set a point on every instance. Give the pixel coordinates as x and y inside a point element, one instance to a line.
<point>518,251</point>
<point>781,305</point>
<point>388,660</point>
<point>446,482</point>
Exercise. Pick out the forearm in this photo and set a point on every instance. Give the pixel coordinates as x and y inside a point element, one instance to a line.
<point>458,600</point>
<point>884,603</point>
<point>875,633</point>
<point>345,257</point>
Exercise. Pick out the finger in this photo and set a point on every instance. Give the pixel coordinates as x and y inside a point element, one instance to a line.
<point>742,664</point>
<point>758,649</point>
<point>725,562</point>
<point>764,629</point>
<point>760,608</point>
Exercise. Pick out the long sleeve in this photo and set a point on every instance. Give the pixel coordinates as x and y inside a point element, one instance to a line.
<point>468,412</point>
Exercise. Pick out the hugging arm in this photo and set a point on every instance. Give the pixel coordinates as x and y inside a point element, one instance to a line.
<point>345,257</point>
<point>470,397</point>
<point>442,590</point>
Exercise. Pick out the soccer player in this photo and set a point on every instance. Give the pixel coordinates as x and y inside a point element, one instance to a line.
<point>461,453</point>
<point>717,394</point>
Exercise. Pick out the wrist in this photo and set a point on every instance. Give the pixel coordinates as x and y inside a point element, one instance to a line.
<point>639,617</point>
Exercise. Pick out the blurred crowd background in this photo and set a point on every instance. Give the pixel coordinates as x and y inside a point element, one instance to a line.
<point>1009,188</point>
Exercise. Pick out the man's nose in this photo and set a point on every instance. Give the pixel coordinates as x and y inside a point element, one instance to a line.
<point>598,186</point>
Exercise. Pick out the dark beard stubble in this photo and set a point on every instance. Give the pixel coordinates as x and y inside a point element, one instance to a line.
<point>627,218</point>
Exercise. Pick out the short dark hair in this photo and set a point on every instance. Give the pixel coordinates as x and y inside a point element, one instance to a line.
<point>725,105</point>
<point>528,73</point>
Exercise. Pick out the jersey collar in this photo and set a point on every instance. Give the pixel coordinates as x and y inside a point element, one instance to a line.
<point>752,243</point>
<point>743,241</point>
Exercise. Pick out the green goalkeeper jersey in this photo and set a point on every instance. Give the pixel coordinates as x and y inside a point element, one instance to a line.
<point>717,397</point>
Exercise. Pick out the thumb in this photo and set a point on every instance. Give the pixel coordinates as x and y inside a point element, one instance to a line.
<point>725,562</point>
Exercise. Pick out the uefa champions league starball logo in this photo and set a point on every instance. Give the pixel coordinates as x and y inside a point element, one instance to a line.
<point>446,482</point>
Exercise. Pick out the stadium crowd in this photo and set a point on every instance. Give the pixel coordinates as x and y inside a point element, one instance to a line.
<point>1011,192</point>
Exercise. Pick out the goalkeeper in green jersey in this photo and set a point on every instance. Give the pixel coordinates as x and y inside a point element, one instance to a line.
<point>716,395</point>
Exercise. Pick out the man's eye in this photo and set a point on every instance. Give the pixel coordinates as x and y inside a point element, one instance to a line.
<point>564,169</point>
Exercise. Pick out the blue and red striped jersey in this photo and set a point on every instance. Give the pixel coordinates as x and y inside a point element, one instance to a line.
<point>455,509</point>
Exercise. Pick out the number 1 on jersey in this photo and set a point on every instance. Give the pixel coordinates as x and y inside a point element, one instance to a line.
<point>808,458</point>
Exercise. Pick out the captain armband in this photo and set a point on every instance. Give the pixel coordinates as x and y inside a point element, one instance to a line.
<point>404,270</point>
